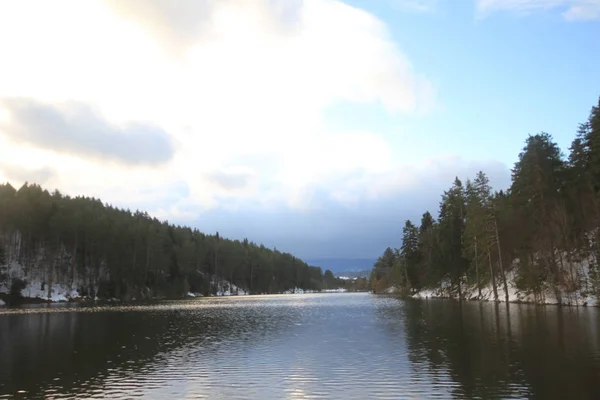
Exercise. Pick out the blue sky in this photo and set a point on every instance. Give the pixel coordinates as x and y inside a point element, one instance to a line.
<point>315,126</point>
<point>497,77</point>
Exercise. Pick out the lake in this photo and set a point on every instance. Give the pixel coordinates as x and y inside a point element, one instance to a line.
<point>334,346</point>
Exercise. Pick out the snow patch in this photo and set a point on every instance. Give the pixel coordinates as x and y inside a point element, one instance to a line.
<point>46,274</point>
<point>2,303</point>
<point>338,290</point>
<point>55,293</point>
<point>226,288</point>
<point>297,290</point>
<point>547,295</point>
<point>38,287</point>
<point>425,294</point>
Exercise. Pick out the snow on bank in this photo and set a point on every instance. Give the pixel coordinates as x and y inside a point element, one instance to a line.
<point>2,303</point>
<point>338,290</point>
<point>307,291</point>
<point>190,294</point>
<point>56,293</point>
<point>226,288</point>
<point>44,273</point>
<point>298,291</point>
<point>36,286</point>
<point>36,280</point>
<point>547,296</point>
<point>49,274</point>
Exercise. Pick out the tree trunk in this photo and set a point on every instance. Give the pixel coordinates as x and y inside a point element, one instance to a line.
<point>19,240</point>
<point>216,259</point>
<point>493,275</point>
<point>406,273</point>
<point>134,255</point>
<point>500,261</point>
<point>52,267</point>
<point>74,260</point>
<point>555,273</point>
<point>477,271</point>
<point>147,262</point>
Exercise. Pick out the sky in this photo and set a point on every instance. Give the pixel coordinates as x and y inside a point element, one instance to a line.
<point>313,126</point>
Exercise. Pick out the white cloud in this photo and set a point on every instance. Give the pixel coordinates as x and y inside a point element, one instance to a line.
<point>572,9</point>
<point>77,128</point>
<point>587,10</point>
<point>229,80</point>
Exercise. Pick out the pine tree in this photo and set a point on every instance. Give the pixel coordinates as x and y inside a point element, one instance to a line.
<point>410,256</point>
<point>536,193</point>
<point>427,244</point>
<point>450,238</point>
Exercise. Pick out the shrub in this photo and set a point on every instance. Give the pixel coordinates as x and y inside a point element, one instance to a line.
<point>16,286</point>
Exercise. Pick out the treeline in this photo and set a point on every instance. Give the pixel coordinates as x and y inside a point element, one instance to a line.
<point>542,234</point>
<point>100,250</point>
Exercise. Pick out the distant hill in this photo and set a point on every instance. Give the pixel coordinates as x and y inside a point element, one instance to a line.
<point>353,274</point>
<point>343,265</point>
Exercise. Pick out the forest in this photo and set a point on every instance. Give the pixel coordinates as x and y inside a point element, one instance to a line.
<point>540,236</point>
<point>100,251</point>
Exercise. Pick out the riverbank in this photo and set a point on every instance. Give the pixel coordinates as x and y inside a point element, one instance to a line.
<point>471,293</point>
<point>577,278</point>
<point>227,290</point>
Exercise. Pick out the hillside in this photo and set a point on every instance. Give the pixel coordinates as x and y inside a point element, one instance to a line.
<point>59,247</point>
<point>342,265</point>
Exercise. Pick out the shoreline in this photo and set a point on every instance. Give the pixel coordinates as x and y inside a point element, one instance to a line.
<point>428,294</point>
<point>7,300</point>
<point>583,296</point>
<point>534,303</point>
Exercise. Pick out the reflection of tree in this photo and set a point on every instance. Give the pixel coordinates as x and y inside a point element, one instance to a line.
<point>75,350</point>
<point>495,351</point>
<point>558,351</point>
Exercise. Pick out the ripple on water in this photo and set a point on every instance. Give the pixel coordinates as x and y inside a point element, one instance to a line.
<point>351,346</point>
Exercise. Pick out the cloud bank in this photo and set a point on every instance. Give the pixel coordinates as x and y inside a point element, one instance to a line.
<point>76,128</point>
<point>571,9</point>
<point>214,112</point>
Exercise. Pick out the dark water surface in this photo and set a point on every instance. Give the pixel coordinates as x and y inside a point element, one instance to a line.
<point>334,346</point>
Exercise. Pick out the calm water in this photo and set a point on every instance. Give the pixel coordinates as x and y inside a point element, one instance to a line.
<point>341,346</point>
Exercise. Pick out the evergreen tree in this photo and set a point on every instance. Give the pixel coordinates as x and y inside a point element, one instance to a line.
<point>103,251</point>
<point>427,245</point>
<point>450,237</point>
<point>410,256</point>
<point>544,230</point>
<point>536,193</point>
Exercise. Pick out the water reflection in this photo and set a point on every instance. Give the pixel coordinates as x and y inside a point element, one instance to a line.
<point>113,349</point>
<point>495,351</point>
<point>345,346</point>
